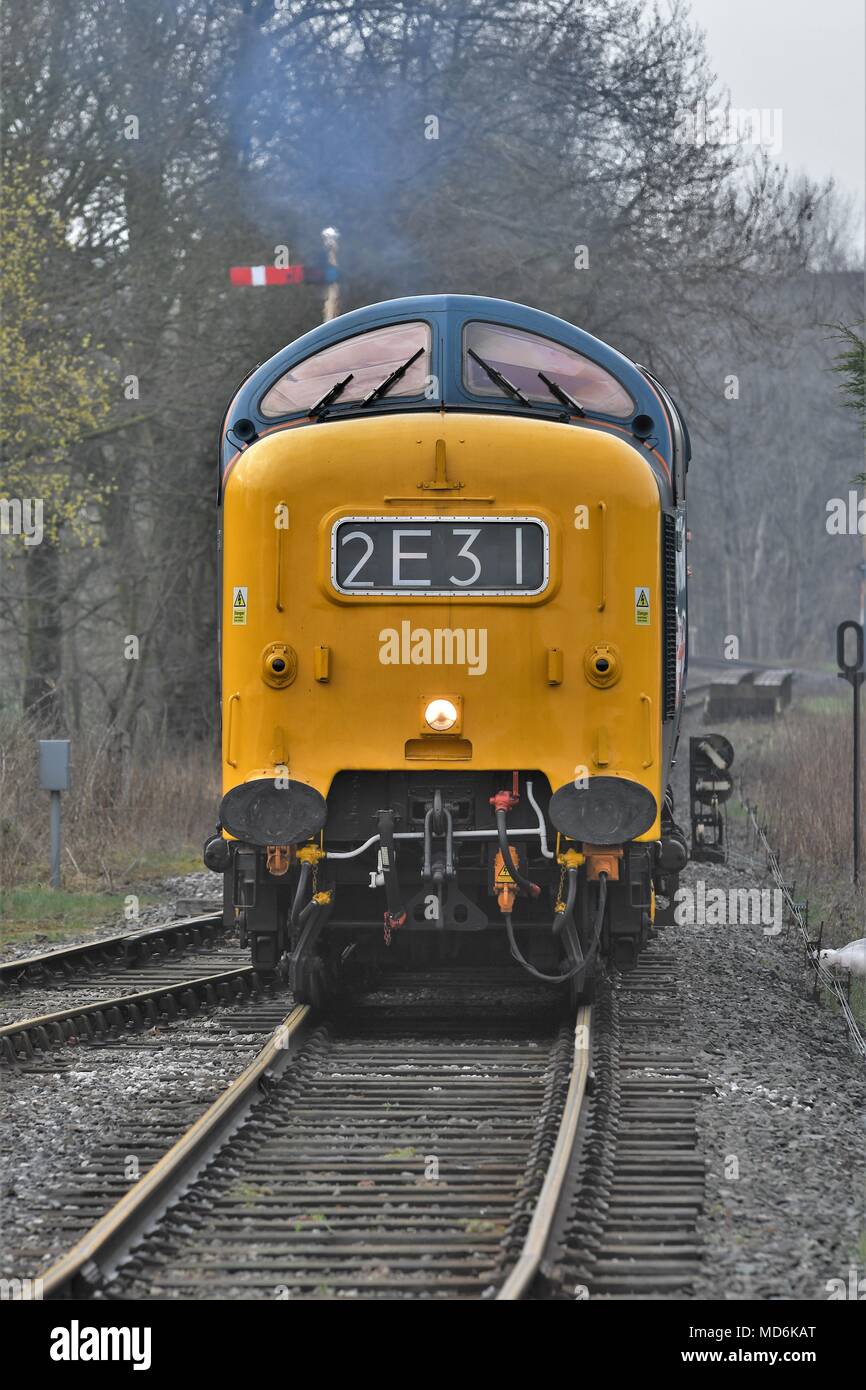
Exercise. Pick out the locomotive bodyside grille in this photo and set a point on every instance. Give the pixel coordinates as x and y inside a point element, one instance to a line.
<point>669,632</point>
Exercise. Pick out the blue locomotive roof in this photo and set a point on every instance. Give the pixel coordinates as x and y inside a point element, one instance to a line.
<point>445,319</point>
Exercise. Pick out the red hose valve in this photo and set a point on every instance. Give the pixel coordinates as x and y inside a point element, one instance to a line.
<point>504,801</point>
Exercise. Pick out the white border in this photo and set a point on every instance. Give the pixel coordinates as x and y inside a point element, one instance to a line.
<point>440,593</point>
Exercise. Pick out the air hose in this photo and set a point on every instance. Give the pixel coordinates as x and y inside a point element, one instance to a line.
<point>302,962</point>
<point>571,893</point>
<point>587,959</point>
<point>309,914</point>
<point>395,915</point>
<point>303,880</point>
<point>531,888</point>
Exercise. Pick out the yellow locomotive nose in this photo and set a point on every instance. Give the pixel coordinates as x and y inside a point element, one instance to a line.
<point>426,600</point>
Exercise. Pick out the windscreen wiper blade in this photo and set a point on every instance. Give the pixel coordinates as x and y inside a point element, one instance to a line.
<point>386,385</point>
<point>562,395</point>
<point>502,381</point>
<point>331,395</point>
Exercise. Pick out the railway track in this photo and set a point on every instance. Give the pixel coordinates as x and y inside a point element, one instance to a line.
<point>124,983</point>
<point>180,994</point>
<point>113,953</point>
<point>404,1149</point>
<point>430,1143</point>
<point>634,1228</point>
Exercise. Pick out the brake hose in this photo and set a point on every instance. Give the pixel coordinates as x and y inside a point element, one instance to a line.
<point>395,914</point>
<point>531,888</point>
<point>560,918</point>
<point>587,959</point>
<point>310,912</point>
<point>303,880</point>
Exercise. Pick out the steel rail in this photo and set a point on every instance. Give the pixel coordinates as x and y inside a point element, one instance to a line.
<point>96,1255</point>
<point>520,1280</point>
<point>110,950</point>
<point>294,1134</point>
<point>126,1010</point>
<point>633,1226</point>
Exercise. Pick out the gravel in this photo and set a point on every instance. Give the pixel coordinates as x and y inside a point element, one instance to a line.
<point>203,887</point>
<point>106,981</point>
<point>782,1128</point>
<point>59,1112</point>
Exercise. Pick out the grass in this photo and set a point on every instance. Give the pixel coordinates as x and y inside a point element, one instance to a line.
<point>826,704</point>
<point>35,910</point>
<point>248,1192</point>
<point>800,776</point>
<point>116,815</point>
<point>149,866</point>
<point>125,828</point>
<point>55,915</point>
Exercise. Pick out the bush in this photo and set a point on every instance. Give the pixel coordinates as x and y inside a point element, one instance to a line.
<point>801,777</point>
<point>126,812</point>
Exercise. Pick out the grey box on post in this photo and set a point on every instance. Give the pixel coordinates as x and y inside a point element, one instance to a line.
<point>54,764</point>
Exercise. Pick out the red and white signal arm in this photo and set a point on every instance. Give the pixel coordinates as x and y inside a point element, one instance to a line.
<point>266,275</point>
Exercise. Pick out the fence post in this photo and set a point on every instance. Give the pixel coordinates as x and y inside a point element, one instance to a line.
<point>853,673</point>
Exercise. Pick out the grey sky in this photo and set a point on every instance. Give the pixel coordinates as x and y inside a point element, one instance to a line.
<point>807,57</point>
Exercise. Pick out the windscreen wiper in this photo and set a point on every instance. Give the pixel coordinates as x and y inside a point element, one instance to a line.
<point>562,395</point>
<point>386,385</point>
<point>331,395</point>
<point>502,381</point>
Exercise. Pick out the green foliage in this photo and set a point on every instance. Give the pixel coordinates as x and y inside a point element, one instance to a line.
<point>56,391</point>
<point>850,364</point>
<point>36,910</point>
<point>850,367</point>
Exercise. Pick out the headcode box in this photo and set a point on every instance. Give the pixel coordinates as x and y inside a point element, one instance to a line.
<point>54,764</point>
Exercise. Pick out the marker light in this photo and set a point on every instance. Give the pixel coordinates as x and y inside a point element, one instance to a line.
<point>441,715</point>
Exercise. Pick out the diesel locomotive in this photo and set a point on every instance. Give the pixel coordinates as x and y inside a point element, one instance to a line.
<point>453,646</point>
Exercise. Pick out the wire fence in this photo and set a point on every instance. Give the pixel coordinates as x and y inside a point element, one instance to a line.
<point>823,976</point>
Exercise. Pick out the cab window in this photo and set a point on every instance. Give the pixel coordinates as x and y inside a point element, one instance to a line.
<point>369,357</point>
<point>520,356</point>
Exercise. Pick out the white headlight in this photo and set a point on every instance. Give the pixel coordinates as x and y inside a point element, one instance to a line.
<point>441,715</point>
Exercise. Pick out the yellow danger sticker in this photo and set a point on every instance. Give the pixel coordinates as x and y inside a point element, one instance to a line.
<point>239,606</point>
<point>502,874</point>
<point>642,605</point>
